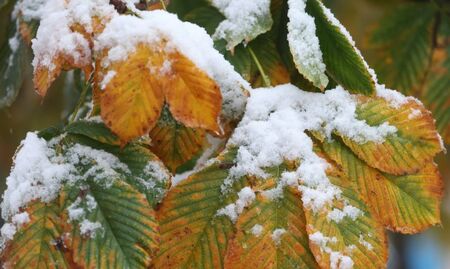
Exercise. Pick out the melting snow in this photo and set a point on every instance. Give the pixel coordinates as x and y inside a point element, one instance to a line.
<point>257,230</point>
<point>276,235</point>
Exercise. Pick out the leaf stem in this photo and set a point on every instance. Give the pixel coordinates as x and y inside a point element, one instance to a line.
<point>163,4</point>
<point>81,100</point>
<point>265,78</point>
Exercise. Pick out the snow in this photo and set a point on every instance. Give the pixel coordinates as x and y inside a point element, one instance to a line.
<point>89,228</point>
<point>36,174</point>
<point>20,219</point>
<point>363,242</point>
<point>337,259</point>
<point>154,28</point>
<point>30,9</point>
<point>55,36</point>
<point>348,211</point>
<point>257,230</point>
<point>244,20</point>
<point>395,98</point>
<point>8,231</point>
<point>245,197</point>
<point>276,235</point>
<point>304,44</point>
<point>414,114</point>
<point>273,130</point>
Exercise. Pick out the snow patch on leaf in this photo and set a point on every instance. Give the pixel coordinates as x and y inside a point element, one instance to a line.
<point>244,20</point>
<point>245,197</point>
<point>274,129</point>
<point>304,44</point>
<point>123,33</point>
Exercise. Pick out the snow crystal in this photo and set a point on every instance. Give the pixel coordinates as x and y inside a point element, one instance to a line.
<point>395,98</point>
<point>20,219</point>
<point>257,230</point>
<point>244,20</point>
<point>276,235</point>
<point>365,243</point>
<point>304,43</point>
<point>337,259</point>
<point>273,130</point>
<point>89,228</point>
<point>123,33</point>
<point>349,211</point>
<point>245,197</point>
<point>8,231</point>
<point>414,114</point>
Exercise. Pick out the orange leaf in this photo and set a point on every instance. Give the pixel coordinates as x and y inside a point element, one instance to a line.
<point>132,100</point>
<point>193,97</point>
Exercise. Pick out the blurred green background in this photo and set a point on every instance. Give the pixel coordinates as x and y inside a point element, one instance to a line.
<point>424,251</point>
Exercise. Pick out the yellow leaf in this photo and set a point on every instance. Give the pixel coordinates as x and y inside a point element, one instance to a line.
<point>354,238</point>
<point>40,242</point>
<point>174,143</point>
<point>407,151</point>
<point>192,235</point>
<point>407,204</point>
<point>193,97</point>
<point>257,244</point>
<point>132,100</point>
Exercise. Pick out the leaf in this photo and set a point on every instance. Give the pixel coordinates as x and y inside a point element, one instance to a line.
<point>174,143</point>
<point>128,236</point>
<point>252,20</point>
<point>436,95</point>
<point>13,67</point>
<point>344,63</point>
<point>407,204</point>
<point>414,144</point>
<point>304,44</point>
<point>134,93</point>
<point>353,239</point>
<point>132,100</point>
<point>38,244</point>
<point>193,97</point>
<point>206,16</point>
<point>146,174</point>
<point>403,43</point>
<point>253,245</point>
<point>93,130</point>
<point>192,236</point>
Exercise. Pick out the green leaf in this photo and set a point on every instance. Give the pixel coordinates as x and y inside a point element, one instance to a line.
<point>39,242</point>
<point>192,235</point>
<point>414,144</point>
<point>206,16</point>
<point>345,232</point>
<point>13,65</point>
<point>127,234</point>
<point>407,204</point>
<point>254,245</point>
<point>244,26</point>
<point>343,61</point>
<point>93,130</point>
<point>403,42</point>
